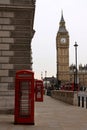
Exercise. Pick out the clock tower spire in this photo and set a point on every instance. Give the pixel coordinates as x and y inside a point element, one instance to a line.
<point>62,27</point>
<point>62,48</point>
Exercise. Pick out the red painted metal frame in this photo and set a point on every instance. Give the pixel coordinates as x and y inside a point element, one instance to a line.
<point>39,90</point>
<point>24,76</point>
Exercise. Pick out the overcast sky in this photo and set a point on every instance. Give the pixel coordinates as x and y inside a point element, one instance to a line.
<point>46,25</point>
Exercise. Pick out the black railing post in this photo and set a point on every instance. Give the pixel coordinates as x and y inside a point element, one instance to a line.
<point>79,101</point>
<point>82,101</point>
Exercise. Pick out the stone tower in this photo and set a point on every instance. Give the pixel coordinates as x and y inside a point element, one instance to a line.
<point>62,49</point>
<point>16,33</point>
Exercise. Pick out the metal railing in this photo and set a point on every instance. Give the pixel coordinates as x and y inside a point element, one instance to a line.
<point>82,99</point>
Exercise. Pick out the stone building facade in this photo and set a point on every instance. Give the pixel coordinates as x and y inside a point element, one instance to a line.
<point>16,33</point>
<point>81,75</point>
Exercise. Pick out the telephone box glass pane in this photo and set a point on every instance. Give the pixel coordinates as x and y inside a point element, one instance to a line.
<point>38,91</point>
<point>25,102</point>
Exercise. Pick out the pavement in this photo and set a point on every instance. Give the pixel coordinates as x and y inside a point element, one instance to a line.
<point>51,114</point>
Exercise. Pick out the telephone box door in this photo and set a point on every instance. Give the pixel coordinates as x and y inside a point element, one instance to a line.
<point>24,97</point>
<point>39,90</point>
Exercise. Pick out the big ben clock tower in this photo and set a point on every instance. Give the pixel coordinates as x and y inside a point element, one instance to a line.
<point>62,48</point>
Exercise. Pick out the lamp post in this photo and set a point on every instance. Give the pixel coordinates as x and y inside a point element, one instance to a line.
<point>75,45</point>
<point>46,79</point>
<point>74,73</point>
<point>41,75</point>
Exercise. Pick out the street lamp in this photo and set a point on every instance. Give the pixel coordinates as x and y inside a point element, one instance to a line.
<point>46,79</point>
<point>41,75</point>
<point>75,45</point>
<point>74,73</point>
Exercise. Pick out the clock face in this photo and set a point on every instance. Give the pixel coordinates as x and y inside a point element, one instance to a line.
<point>63,40</point>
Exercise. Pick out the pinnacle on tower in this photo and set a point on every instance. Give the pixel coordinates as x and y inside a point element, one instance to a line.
<point>62,27</point>
<point>62,18</point>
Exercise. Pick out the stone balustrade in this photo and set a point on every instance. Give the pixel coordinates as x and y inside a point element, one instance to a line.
<point>70,97</point>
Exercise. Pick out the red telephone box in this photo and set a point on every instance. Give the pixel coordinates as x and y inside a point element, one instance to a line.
<point>39,90</point>
<point>24,97</point>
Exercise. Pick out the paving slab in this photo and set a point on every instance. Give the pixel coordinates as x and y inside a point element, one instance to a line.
<point>50,114</point>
